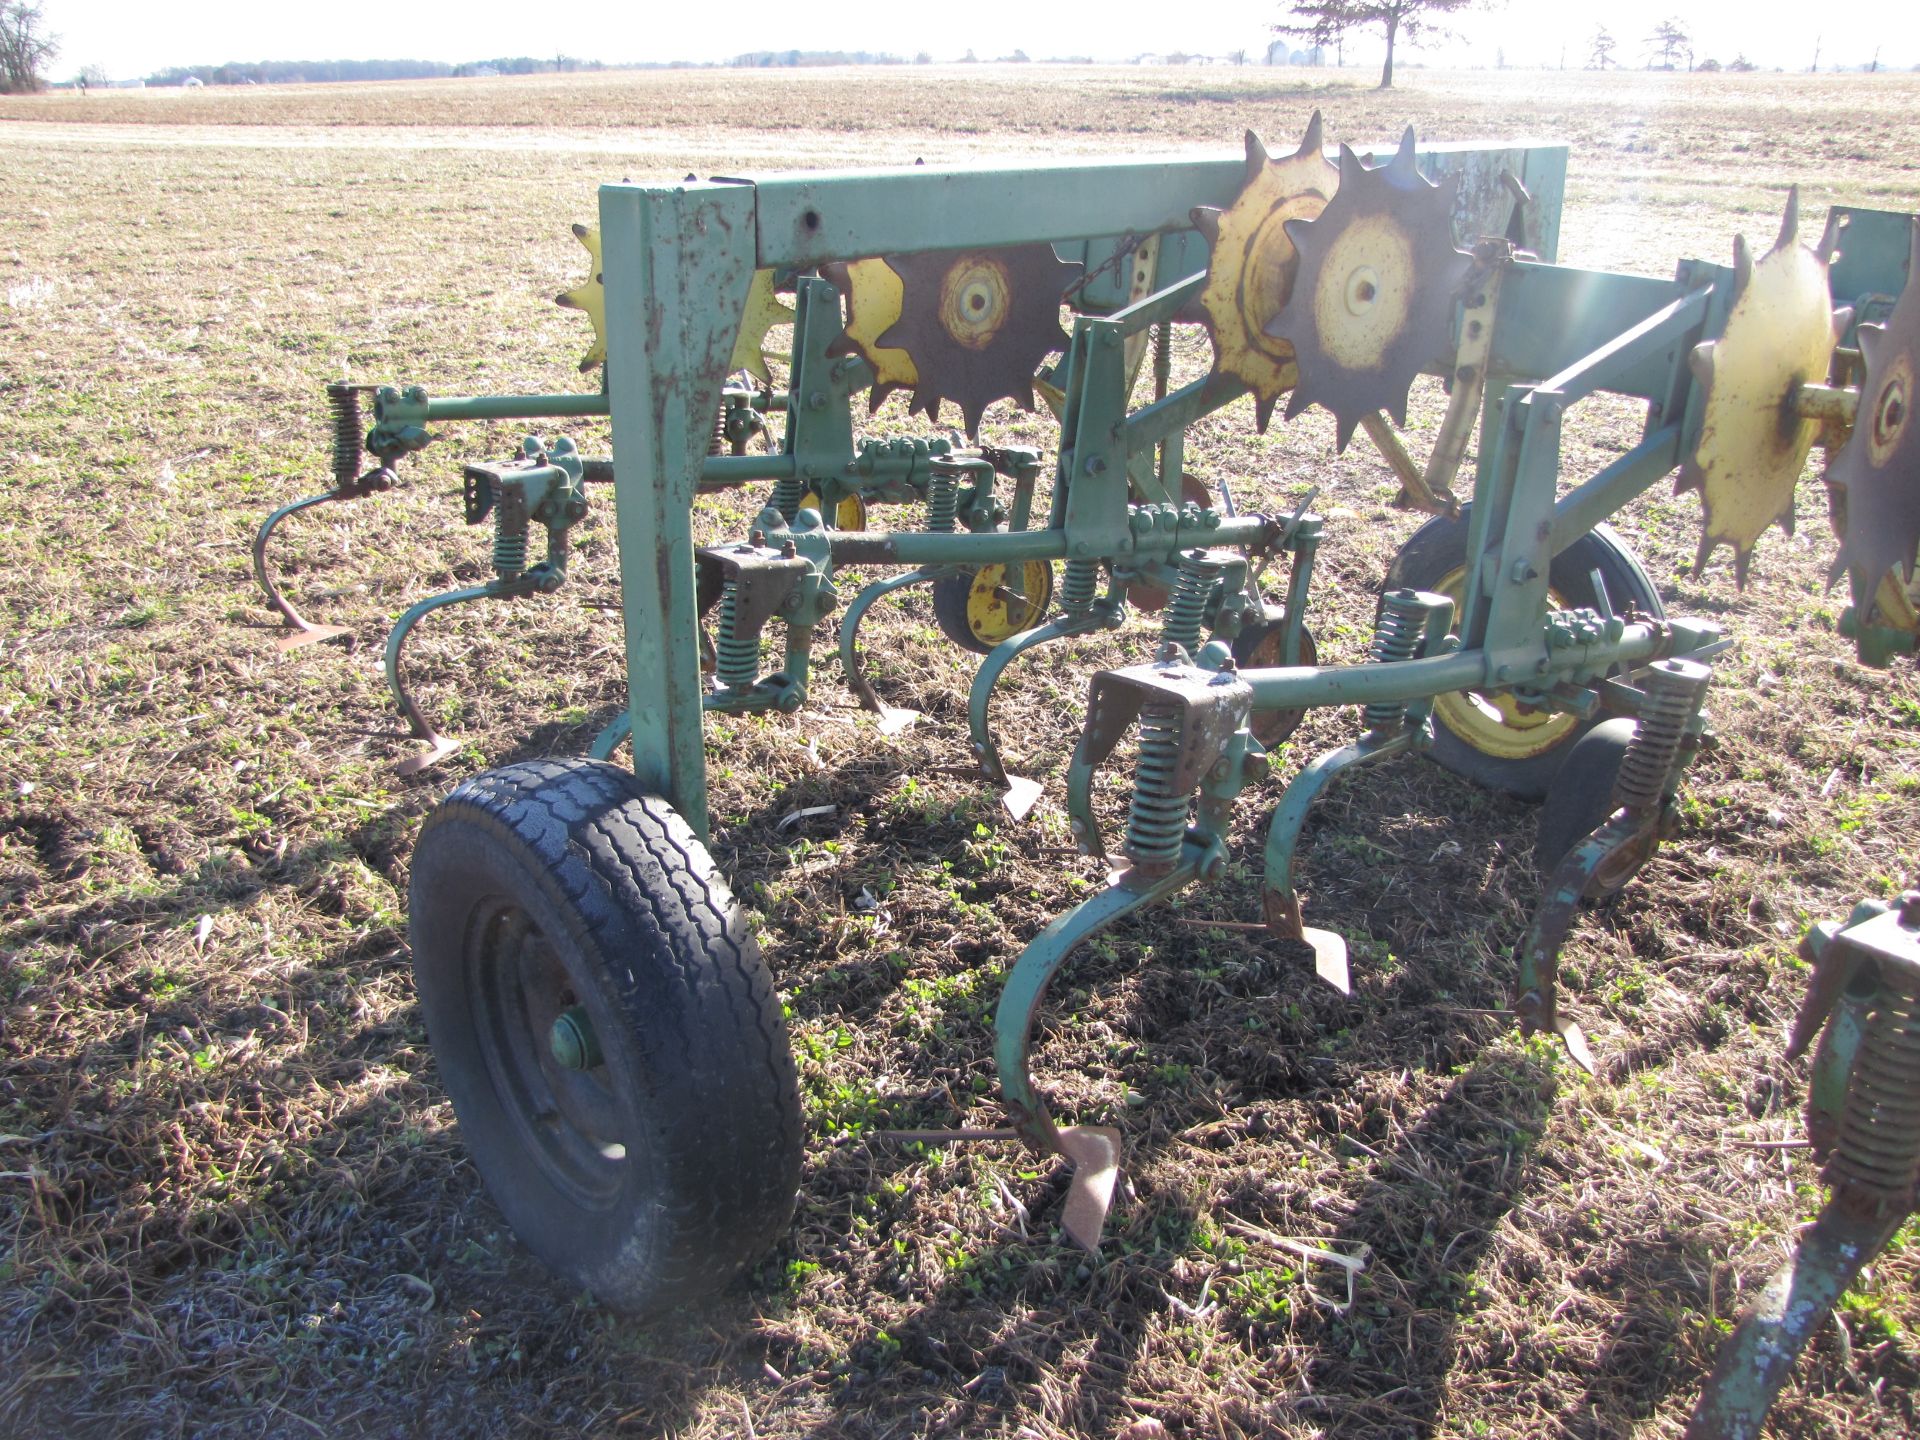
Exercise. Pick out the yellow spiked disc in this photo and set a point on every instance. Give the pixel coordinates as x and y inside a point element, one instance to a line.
<point>590,298</point>
<point>874,295</point>
<point>1779,335</point>
<point>1254,261</point>
<point>764,311</point>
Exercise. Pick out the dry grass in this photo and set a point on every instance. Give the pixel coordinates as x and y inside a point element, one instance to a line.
<point>232,1197</point>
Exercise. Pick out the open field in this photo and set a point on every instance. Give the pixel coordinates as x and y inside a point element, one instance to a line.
<point>233,1198</point>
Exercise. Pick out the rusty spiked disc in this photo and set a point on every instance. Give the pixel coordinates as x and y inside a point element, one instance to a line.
<point>1251,270</point>
<point>1780,334</point>
<point>1878,470</point>
<point>977,323</point>
<point>1372,301</point>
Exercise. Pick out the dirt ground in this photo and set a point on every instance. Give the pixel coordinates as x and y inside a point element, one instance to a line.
<point>233,1197</point>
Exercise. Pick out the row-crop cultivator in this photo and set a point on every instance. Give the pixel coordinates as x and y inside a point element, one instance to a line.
<point>604,1020</point>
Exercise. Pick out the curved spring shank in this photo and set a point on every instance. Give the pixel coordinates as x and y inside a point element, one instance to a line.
<point>988,675</point>
<point>1758,1356</point>
<point>438,745</point>
<point>305,632</point>
<point>1026,988</point>
<point>892,720</point>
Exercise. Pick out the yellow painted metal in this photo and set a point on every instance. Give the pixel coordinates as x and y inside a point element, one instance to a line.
<point>874,296</point>
<point>849,514</point>
<point>590,297</point>
<point>1753,444</point>
<point>764,310</point>
<point>1253,264</point>
<point>997,608</point>
<point>1365,309</point>
<point>1498,725</point>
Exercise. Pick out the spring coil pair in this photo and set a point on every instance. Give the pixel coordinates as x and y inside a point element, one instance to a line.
<point>1674,691</point>
<point>1397,632</point>
<point>1078,586</point>
<point>1192,592</point>
<point>1876,1155</point>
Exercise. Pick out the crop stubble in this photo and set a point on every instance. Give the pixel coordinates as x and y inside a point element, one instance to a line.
<point>232,1196</point>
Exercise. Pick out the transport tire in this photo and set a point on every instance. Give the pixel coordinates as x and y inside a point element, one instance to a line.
<point>607,1030</point>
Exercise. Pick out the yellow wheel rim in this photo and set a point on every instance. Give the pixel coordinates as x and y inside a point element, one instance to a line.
<point>1004,600</point>
<point>1499,725</point>
<point>849,514</point>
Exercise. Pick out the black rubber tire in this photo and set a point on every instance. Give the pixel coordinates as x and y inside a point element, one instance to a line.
<point>557,883</point>
<point>1439,548</point>
<point>1581,795</point>
<point>950,597</point>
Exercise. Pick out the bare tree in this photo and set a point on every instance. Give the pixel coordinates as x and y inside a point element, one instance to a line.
<point>25,47</point>
<point>1669,39</point>
<point>1326,22</point>
<point>1600,48</point>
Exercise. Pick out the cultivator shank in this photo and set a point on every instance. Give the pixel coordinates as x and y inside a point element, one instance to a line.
<point>1519,632</point>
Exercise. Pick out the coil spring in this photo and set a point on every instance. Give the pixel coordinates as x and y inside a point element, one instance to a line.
<point>718,444</point>
<point>1078,585</point>
<point>1878,1148</point>
<point>943,502</point>
<point>343,408</point>
<point>1187,609</point>
<point>788,492</point>
<point>509,546</point>
<point>737,656</point>
<point>1157,816</point>
<point>1674,690</point>
<point>1396,635</point>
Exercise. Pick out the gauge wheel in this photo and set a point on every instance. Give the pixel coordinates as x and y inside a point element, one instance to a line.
<point>1581,796</point>
<point>977,608</point>
<point>1494,740</point>
<point>1261,646</point>
<point>849,514</point>
<point>608,1033</point>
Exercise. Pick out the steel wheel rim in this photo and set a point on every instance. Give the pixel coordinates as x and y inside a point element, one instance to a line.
<point>567,1122</point>
<point>997,611</point>
<point>1498,725</point>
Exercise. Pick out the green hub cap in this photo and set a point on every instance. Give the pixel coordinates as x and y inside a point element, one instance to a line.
<point>574,1045</point>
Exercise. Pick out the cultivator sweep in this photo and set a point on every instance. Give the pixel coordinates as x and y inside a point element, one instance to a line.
<point>606,1026</point>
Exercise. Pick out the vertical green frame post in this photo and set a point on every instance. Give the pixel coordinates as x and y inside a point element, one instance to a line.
<point>677,262</point>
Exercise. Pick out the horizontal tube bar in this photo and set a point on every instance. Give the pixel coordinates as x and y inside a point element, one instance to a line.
<point>498,407</point>
<point>964,547</point>
<point>1594,499</point>
<point>1404,681</point>
<point>1595,369</point>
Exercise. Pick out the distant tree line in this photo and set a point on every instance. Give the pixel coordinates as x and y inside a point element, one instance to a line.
<point>313,72</point>
<point>765,59</point>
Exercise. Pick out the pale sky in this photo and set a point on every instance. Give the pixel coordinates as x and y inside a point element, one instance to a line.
<point>136,37</point>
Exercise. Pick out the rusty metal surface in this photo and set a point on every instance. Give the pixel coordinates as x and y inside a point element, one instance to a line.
<point>1372,302</point>
<point>977,323</point>
<point>1876,472</point>
<point>1253,262</point>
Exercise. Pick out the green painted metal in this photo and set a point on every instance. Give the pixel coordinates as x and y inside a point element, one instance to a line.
<point>677,263</point>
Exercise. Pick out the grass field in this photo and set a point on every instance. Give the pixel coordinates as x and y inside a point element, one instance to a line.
<point>233,1197</point>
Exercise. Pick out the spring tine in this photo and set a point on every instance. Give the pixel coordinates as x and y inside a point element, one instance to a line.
<point>303,631</point>
<point>889,719</point>
<point>438,746</point>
